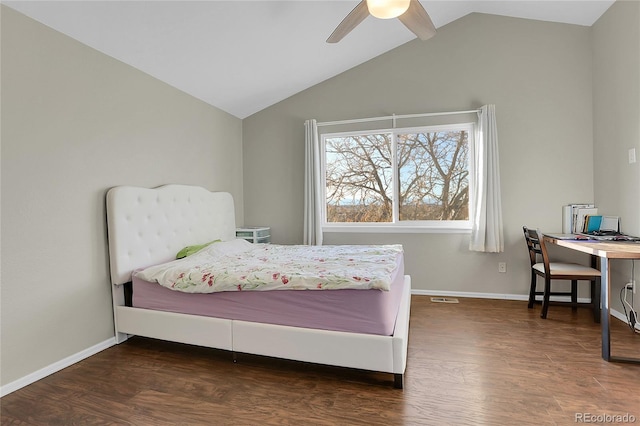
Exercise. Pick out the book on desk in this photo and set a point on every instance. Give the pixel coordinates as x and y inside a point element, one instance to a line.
<point>573,216</point>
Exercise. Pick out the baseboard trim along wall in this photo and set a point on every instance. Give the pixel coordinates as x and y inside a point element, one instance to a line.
<point>70,360</point>
<point>442,293</point>
<point>55,367</point>
<point>469,294</point>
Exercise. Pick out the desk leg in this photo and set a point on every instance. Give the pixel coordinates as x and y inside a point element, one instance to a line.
<point>605,323</point>
<point>604,318</point>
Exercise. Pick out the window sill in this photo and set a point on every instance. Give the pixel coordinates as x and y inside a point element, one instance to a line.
<point>399,229</point>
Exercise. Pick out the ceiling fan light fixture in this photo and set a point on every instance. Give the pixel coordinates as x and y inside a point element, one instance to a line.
<point>387,9</point>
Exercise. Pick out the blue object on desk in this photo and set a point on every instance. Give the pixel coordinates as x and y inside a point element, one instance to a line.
<point>593,223</point>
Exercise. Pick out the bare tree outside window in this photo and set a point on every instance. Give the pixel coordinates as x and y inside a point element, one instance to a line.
<point>359,177</point>
<point>433,176</point>
<point>431,172</point>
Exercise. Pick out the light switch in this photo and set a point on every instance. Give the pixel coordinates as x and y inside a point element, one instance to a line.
<point>632,155</point>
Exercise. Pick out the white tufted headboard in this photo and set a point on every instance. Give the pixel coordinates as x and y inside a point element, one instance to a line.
<point>149,226</point>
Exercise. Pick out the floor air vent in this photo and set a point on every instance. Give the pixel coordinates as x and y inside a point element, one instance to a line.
<point>444,299</point>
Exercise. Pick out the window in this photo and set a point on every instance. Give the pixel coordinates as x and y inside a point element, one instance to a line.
<point>413,177</point>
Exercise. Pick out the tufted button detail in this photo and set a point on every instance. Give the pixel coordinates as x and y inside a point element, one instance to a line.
<point>152,224</point>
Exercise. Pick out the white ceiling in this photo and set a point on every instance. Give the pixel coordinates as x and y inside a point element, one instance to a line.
<point>243,56</point>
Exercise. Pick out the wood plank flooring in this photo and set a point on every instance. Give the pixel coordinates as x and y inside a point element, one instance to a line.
<point>479,362</point>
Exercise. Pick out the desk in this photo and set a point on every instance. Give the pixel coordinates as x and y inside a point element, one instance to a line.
<point>605,250</point>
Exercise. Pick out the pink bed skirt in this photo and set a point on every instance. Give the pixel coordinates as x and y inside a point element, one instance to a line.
<point>357,311</point>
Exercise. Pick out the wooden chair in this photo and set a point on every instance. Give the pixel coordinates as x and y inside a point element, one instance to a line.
<point>558,271</point>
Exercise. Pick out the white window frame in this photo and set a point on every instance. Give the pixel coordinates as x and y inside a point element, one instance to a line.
<point>397,226</point>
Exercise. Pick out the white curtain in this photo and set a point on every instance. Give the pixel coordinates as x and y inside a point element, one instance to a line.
<point>312,190</point>
<point>486,209</point>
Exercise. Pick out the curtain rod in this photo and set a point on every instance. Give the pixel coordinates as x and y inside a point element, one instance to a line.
<point>394,117</point>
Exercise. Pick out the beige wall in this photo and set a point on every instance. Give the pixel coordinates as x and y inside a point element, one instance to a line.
<point>616,124</point>
<point>75,123</point>
<point>538,74</point>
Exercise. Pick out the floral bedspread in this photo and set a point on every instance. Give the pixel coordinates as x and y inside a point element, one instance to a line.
<point>238,265</point>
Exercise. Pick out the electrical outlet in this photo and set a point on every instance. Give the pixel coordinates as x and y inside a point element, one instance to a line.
<point>632,155</point>
<point>631,286</point>
<point>502,267</point>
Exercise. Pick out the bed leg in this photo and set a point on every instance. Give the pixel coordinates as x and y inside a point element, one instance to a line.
<point>397,380</point>
<point>234,356</point>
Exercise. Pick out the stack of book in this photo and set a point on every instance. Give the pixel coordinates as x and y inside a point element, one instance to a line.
<point>575,217</point>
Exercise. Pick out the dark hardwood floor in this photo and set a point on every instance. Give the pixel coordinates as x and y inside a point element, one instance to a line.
<point>479,362</point>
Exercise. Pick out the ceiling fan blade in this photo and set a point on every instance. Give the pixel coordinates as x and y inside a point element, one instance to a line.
<point>352,20</point>
<point>418,21</point>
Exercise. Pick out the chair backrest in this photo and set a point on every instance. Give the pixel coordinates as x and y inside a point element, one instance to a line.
<point>535,242</point>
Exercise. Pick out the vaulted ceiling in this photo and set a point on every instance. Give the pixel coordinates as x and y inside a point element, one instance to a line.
<point>243,56</point>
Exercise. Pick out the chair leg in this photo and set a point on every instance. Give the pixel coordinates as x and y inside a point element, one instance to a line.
<point>574,295</point>
<point>545,297</point>
<point>532,289</point>
<point>595,298</point>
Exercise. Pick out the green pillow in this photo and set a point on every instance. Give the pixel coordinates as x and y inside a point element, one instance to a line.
<point>189,250</point>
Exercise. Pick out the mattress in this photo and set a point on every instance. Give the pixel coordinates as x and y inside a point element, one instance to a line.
<point>348,310</point>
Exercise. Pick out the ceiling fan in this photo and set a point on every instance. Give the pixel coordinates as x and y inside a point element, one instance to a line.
<point>410,12</point>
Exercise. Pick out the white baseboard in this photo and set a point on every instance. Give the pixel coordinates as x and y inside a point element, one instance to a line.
<point>469,294</point>
<point>488,295</point>
<point>621,317</point>
<point>55,367</point>
<point>442,293</point>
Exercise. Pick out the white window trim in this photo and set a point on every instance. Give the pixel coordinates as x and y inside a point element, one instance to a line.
<point>427,226</point>
<point>392,228</point>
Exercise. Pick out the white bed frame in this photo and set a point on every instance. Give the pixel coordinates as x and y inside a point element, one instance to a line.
<point>149,226</point>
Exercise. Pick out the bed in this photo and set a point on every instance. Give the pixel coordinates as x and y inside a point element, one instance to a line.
<point>148,227</point>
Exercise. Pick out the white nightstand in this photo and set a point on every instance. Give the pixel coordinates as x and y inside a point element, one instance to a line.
<point>254,234</point>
